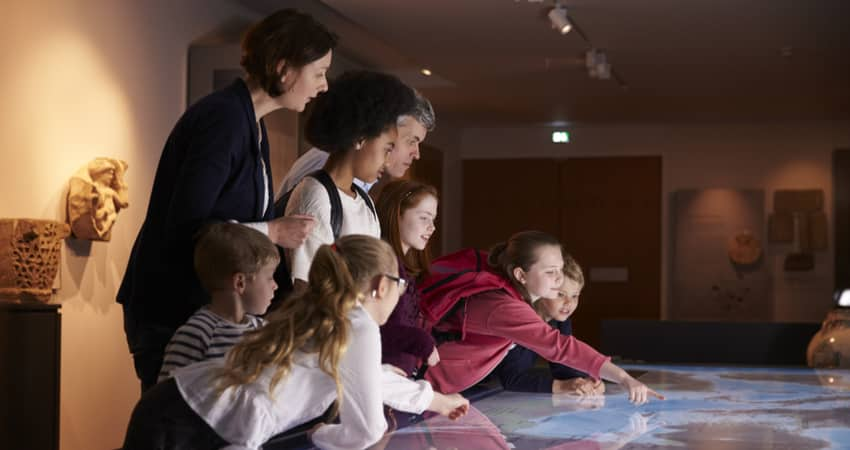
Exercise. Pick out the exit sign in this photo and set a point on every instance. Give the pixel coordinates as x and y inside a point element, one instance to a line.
<point>560,137</point>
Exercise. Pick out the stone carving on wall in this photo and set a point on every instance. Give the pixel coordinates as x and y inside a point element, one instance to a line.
<point>96,194</point>
<point>29,258</point>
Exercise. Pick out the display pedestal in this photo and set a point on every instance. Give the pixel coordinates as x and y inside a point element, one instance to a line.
<point>30,341</point>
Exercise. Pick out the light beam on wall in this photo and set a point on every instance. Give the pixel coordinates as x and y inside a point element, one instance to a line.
<point>71,109</point>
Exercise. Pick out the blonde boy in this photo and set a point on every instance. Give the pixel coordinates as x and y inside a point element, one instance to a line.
<point>235,265</point>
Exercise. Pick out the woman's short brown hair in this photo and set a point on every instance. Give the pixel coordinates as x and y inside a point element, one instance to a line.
<point>287,35</point>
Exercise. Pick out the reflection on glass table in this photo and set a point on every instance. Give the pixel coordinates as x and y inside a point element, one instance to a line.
<point>706,408</point>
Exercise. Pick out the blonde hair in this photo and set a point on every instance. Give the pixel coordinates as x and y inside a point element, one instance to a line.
<point>573,272</point>
<point>224,249</point>
<point>314,321</point>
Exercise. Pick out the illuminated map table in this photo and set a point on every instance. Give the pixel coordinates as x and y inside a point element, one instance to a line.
<point>706,408</point>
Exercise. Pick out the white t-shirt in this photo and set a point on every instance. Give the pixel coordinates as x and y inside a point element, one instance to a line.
<point>311,198</point>
<point>247,415</point>
<point>311,161</point>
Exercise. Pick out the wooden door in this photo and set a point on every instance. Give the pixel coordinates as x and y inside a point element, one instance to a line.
<point>503,196</point>
<point>611,223</point>
<point>606,212</point>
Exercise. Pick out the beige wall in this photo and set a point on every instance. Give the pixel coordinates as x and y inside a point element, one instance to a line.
<point>763,156</point>
<point>82,79</point>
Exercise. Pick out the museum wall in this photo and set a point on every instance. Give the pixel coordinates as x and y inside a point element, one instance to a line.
<point>84,79</point>
<point>765,156</point>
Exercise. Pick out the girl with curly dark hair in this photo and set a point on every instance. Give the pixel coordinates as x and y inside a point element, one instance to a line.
<point>355,121</point>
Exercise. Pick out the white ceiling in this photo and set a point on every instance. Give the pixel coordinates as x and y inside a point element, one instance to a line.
<point>499,62</point>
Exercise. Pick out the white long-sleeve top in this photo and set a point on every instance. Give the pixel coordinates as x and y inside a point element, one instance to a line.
<point>246,416</point>
<point>311,198</point>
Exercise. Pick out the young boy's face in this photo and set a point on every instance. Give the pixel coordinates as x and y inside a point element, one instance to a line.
<point>259,290</point>
<point>562,307</point>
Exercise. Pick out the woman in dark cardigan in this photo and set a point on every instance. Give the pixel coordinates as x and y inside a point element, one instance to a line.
<point>215,167</point>
<point>407,210</point>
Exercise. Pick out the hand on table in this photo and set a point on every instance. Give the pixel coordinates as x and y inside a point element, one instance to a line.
<point>453,406</point>
<point>639,393</point>
<point>578,386</point>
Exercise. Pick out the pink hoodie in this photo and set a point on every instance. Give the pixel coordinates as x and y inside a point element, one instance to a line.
<point>495,320</point>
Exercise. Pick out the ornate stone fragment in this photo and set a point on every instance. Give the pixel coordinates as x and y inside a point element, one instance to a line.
<point>29,258</point>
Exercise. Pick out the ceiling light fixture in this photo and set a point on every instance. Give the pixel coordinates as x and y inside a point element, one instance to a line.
<point>558,17</point>
<point>597,64</point>
<point>426,72</point>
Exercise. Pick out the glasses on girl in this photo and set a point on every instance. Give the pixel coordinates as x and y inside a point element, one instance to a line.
<point>402,283</point>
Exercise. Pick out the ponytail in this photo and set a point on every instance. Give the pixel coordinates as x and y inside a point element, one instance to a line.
<point>496,253</point>
<point>314,321</point>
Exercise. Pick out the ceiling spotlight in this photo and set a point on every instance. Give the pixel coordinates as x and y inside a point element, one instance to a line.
<point>560,22</point>
<point>597,64</point>
<point>426,72</point>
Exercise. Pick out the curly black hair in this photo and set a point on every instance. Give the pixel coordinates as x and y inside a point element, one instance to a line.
<point>358,105</point>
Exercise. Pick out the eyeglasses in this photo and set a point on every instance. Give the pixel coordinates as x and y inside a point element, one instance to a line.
<point>402,283</point>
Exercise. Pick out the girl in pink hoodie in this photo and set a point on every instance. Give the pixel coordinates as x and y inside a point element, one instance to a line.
<point>530,266</point>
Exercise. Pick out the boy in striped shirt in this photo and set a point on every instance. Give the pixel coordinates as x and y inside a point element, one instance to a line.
<point>235,265</point>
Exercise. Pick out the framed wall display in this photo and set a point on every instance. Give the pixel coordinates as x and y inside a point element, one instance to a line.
<point>719,269</point>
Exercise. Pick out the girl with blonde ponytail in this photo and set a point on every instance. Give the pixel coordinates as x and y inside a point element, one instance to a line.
<point>317,347</point>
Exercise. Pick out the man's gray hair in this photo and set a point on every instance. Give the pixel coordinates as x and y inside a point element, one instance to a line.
<point>422,111</point>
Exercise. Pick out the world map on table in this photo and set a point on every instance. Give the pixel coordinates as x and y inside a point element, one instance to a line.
<point>705,408</point>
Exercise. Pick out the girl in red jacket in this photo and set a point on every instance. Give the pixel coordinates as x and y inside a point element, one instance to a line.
<point>527,267</point>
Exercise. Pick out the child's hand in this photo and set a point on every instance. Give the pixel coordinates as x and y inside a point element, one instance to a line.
<point>434,359</point>
<point>638,392</point>
<point>453,406</point>
<point>578,386</point>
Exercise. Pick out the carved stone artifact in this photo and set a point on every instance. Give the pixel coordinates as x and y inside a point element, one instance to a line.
<point>96,194</point>
<point>29,258</point>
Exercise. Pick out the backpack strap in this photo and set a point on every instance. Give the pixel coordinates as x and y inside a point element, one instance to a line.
<point>366,198</point>
<point>333,194</point>
<point>282,272</point>
<point>336,201</point>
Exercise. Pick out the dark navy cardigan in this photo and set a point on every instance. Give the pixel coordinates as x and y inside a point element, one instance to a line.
<point>210,170</point>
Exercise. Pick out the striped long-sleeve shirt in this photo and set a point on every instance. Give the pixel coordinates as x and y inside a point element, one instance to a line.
<point>204,336</point>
